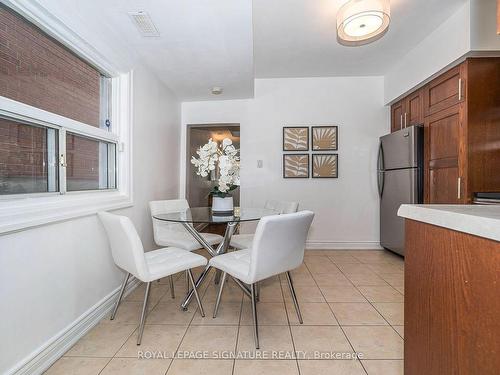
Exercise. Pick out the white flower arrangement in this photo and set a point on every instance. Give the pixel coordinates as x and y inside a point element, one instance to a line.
<point>226,155</point>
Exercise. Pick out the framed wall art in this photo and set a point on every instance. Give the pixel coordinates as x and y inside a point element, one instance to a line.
<point>296,166</point>
<point>295,138</point>
<point>324,138</point>
<point>325,166</point>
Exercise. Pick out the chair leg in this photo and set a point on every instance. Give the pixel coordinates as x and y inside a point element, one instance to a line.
<point>172,291</point>
<point>219,295</point>
<point>122,289</point>
<point>144,312</point>
<point>257,291</point>
<point>187,282</point>
<point>254,315</point>
<point>294,296</point>
<point>190,274</point>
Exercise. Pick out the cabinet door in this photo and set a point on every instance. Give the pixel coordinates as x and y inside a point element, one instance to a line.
<point>397,111</point>
<point>445,91</point>
<point>414,109</point>
<point>444,176</point>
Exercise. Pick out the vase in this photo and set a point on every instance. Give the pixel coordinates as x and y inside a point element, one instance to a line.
<point>222,205</point>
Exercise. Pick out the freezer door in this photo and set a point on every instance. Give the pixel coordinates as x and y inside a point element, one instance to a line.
<point>401,148</point>
<point>399,187</point>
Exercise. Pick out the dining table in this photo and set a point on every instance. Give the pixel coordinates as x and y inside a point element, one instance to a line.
<point>201,216</point>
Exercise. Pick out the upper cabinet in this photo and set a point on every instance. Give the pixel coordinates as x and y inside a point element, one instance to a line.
<point>397,111</point>
<point>414,108</point>
<point>408,111</point>
<point>460,112</point>
<point>444,91</point>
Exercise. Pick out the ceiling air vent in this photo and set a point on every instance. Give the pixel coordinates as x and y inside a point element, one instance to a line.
<point>144,23</point>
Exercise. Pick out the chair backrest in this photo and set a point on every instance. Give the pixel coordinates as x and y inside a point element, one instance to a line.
<point>279,244</point>
<point>282,207</point>
<point>126,246</point>
<point>165,207</point>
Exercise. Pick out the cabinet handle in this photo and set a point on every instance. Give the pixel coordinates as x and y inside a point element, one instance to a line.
<point>401,121</point>
<point>459,188</point>
<point>460,89</point>
<point>405,120</point>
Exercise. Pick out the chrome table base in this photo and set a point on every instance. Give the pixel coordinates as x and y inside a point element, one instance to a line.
<point>221,249</point>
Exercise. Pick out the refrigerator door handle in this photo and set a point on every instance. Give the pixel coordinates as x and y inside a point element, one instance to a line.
<point>380,182</point>
<point>380,171</point>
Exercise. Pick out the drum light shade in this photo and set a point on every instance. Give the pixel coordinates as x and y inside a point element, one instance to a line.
<point>362,21</point>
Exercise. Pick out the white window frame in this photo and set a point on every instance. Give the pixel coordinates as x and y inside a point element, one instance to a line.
<point>22,211</point>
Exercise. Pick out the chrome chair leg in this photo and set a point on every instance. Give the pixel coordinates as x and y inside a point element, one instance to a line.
<point>294,297</point>
<point>172,291</point>
<point>187,282</point>
<point>219,294</point>
<point>254,315</point>
<point>190,274</point>
<point>257,291</point>
<point>122,290</point>
<point>144,312</point>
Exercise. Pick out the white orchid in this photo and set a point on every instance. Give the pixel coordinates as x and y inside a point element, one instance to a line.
<point>228,161</point>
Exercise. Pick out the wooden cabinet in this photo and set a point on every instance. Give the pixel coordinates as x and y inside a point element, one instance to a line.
<point>460,112</point>
<point>444,91</point>
<point>397,110</point>
<point>414,110</point>
<point>408,111</point>
<point>442,155</point>
<point>451,302</point>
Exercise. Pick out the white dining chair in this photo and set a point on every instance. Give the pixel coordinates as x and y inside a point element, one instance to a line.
<point>174,234</point>
<point>244,241</point>
<point>278,247</point>
<point>128,254</point>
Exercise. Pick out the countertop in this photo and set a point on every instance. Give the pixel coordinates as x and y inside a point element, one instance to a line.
<point>478,220</point>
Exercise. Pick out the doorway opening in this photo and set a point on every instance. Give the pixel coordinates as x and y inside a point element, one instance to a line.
<point>198,188</point>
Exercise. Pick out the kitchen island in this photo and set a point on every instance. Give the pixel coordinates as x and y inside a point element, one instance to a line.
<point>452,289</point>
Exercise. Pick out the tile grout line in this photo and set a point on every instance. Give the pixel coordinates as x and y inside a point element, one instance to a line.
<point>238,332</point>
<point>338,322</point>
<point>383,317</point>
<point>288,321</point>
<point>187,329</point>
<point>129,336</point>
<point>372,304</point>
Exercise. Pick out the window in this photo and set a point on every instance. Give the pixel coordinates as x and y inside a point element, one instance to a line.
<point>90,164</point>
<point>28,158</point>
<point>56,133</point>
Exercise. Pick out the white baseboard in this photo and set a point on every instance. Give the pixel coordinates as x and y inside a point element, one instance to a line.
<point>42,358</point>
<point>343,245</point>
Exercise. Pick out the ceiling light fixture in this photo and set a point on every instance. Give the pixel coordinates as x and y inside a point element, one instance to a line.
<point>216,90</point>
<point>362,21</point>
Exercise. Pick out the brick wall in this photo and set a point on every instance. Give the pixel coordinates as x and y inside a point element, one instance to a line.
<point>37,70</point>
<point>82,159</point>
<point>23,158</point>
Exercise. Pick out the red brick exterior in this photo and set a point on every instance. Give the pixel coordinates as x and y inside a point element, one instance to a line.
<point>82,159</point>
<point>37,70</point>
<point>24,148</point>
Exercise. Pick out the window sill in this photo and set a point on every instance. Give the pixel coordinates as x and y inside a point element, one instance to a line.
<point>24,213</point>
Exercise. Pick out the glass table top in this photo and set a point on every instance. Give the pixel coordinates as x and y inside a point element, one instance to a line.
<point>199,215</point>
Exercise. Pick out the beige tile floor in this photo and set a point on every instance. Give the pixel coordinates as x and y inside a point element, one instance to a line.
<point>350,301</point>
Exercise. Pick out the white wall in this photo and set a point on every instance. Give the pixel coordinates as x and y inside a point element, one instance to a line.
<point>483,20</point>
<point>471,31</point>
<point>51,275</point>
<point>346,208</point>
<point>447,43</point>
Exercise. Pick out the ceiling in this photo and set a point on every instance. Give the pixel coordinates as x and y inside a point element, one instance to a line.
<point>303,42</point>
<point>228,43</point>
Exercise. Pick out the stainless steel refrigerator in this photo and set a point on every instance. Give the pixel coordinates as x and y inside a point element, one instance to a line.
<point>400,181</point>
